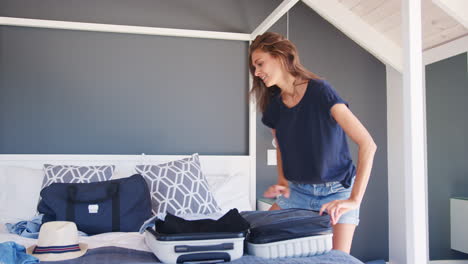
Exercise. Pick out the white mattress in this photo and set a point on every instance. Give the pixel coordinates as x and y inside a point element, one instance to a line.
<point>131,240</point>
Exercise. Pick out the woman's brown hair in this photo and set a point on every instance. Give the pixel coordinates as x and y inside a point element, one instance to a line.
<point>279,47</point>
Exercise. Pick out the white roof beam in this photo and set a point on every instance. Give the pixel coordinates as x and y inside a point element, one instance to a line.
<point>273,17</point>
<point>446,50</point>
<point>359,31</point>
<point>458,9</point>
<point>25,22</point>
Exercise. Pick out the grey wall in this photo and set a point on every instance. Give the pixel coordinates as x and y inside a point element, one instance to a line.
<point>89,92</point>
<point>99,93</point>
<point>360,79</point>
<point>121,61</point>
<point>447,148</point>
<point>227,15</point>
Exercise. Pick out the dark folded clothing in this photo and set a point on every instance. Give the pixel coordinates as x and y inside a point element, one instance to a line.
<point>232,221</point>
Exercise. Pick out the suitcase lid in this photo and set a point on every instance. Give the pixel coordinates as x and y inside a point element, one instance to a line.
<point>272,226</point>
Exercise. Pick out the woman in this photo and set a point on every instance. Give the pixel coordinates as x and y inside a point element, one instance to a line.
<point>310,121</point>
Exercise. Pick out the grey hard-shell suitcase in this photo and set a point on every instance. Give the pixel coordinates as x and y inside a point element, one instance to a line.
<point>195,247</point>
<point>288,233</point>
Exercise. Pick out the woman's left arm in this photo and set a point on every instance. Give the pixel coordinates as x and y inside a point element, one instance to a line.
<point>367,148</point>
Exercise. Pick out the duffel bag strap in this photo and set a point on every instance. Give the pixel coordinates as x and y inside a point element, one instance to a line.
<point>112,191</point>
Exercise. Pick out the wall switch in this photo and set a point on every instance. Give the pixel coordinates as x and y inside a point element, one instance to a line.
<point>271,157</point>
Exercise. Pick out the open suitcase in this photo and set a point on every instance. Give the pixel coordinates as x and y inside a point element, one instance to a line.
<point>288,233</point>
<point>272,234</point>
<point>195,247</point>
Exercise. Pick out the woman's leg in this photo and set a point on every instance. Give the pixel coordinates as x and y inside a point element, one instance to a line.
<point>274,207</point>
<point>343,236</point>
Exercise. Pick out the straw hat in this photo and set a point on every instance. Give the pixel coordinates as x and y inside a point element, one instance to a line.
<point>58,240</point>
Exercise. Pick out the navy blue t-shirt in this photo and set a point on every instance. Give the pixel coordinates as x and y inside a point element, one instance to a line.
<point>313,145</point>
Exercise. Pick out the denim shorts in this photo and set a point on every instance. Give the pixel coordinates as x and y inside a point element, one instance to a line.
<point>313,196</point>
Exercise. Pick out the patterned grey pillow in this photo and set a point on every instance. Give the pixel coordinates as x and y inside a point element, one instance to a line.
<point>76,174</point>
<point>178,187</point>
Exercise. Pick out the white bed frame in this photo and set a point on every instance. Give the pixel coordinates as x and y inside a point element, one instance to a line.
<point>406,245</point>
<point>125,164</point>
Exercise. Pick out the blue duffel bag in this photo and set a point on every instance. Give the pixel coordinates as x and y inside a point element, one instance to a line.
<point>120,205</point>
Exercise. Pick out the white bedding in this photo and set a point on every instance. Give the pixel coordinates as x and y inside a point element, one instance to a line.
<point>131,240</point>
<point>228,176</point>
<point>225,193</point>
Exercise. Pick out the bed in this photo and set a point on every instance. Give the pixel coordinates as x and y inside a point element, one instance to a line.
<point>229,178</point>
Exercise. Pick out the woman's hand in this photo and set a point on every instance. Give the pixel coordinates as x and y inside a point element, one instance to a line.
<point>337,208</point>
<point>276,190</point>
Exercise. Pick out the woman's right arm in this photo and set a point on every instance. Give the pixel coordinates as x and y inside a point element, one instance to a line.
<point>282,186</point>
